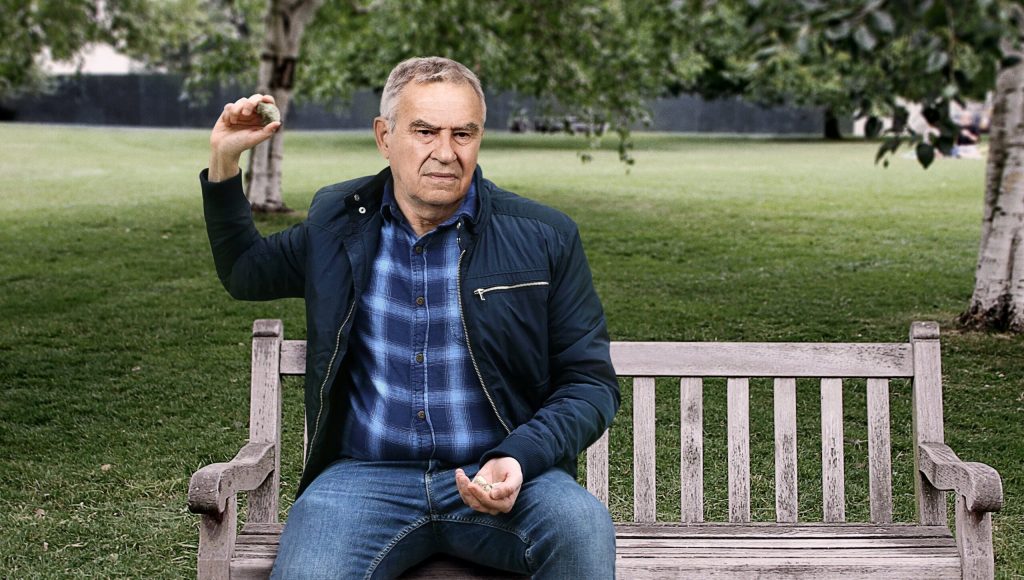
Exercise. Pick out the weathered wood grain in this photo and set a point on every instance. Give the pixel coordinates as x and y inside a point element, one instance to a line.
<point>265,413</point>
<point>832,456</point>
<point>760,359</point>
<point>597,469</point>
<point>217,532</point>
<point>213,486</point>
<point>673,550</point>
<point>979,485</point>
<point>738,412</point>
<point>786,506</point>
<point>879,451</point>
<point>644,474</point>
<point>974,541</point>
<point>293,357</point>
<point>691,449</point>
<point>926,407</point>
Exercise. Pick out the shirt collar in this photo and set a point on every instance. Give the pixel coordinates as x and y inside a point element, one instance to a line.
<point>467,209</point>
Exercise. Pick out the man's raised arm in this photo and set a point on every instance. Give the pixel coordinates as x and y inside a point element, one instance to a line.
<point>250,266</point>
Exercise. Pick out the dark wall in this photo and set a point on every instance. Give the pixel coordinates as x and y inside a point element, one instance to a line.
<point>155,101</point>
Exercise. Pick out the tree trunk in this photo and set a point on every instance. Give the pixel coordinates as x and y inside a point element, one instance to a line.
<point>998,300</point>
<point>832,131</point>
<point>285,22</point>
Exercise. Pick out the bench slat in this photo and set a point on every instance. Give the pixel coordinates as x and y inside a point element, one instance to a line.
<point>823,568</point>
<point>739,449</point>
<point>879,451</point>
<point>597,469</point>
<point>786,506</point>
<point>769,529</point>
<point>666,550</point>
<point>644,490</point>
<point>926,394</point>
<point>727,359</point>
<point>293,357</point>
<point>832,468</point>
<point>691,449</point>
<point>760,359</point>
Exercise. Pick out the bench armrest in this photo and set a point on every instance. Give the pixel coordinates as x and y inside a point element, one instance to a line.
<point>979,484</point>
<point>214,485</point>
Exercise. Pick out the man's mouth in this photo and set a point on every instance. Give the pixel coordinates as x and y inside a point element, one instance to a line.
<point>443,176</point>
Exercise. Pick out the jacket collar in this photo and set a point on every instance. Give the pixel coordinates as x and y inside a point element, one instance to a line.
<point>364,203</point>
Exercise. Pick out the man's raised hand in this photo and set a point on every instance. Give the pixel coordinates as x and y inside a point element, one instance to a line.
<point>238,128</point>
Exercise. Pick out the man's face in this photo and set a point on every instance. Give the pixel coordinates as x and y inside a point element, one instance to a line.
<point>434,145</point>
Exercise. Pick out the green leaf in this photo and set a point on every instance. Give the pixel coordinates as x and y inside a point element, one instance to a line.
<point>936,61</point>
<point>883,21</point>
<point>889,146</point>
<point>838,32</point>
<point>925,154</point>
<point>872,127</point>
<point>899,119</point>
<point>944,143</point>
<point>865,40</point>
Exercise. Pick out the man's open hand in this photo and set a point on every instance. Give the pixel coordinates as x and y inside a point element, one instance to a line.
<point>506,479</point>
<point>239,128</point>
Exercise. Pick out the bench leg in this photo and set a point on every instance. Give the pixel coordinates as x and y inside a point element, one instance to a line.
<point>974,540</point>
<point>217,542</point>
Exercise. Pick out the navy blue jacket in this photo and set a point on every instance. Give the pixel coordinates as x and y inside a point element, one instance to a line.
<point>533,323</point>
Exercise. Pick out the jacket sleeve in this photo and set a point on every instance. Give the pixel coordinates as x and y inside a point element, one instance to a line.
<point>250,266</point>
<point>585,393</point>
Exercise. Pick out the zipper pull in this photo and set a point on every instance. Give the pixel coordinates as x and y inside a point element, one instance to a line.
<point>480,292</point>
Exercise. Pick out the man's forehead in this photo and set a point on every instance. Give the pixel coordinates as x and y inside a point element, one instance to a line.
<point>440,104</point>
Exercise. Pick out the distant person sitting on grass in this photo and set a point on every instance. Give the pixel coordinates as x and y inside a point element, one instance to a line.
<point>458,354</point>
<point>968,137</point>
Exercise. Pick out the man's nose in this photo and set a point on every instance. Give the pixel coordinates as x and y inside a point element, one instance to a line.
<point>443,150</point>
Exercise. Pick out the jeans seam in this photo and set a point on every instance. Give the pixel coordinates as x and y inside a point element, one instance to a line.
<point>490,524</point>
<point>394,541</point>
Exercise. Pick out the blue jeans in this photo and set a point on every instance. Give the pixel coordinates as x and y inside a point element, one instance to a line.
<point>363,519</point>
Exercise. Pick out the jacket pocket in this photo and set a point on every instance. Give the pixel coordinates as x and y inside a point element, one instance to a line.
<point>481,293</point>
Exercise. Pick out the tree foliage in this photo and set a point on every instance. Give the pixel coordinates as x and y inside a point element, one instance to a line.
<point>870,57</point>
<point>35,29</point>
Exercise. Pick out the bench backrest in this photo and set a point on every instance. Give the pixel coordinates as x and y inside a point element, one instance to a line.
<point>738,363</point>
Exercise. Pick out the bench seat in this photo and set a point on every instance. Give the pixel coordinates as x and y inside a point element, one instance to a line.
<point>667,550</point>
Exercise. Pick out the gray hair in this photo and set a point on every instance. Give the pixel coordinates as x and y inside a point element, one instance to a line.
<point>430,69</point>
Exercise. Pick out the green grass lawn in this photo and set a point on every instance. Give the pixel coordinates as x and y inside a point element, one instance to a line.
<point>124,364</point>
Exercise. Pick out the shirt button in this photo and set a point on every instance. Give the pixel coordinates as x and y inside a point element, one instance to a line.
<point>418,249</point>
<point>419,301</point>
<point>419,357</point>
<point>421,415</point>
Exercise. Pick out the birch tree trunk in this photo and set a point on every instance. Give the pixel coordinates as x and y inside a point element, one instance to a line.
<point>998,300</point>
<point>285,22</point>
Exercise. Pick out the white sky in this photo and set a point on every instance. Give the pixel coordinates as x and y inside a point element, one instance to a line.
<point>96,59</point>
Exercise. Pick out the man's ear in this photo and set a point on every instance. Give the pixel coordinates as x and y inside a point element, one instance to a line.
<point>381,134</point>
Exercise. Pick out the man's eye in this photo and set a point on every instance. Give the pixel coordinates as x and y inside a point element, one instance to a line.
<point>424,132</point>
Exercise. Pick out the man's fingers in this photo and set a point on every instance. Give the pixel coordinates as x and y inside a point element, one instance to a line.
<point>501,491</point>
<point>462,483</point>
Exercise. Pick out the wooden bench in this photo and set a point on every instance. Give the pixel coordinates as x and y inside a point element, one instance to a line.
<point>690,547</point>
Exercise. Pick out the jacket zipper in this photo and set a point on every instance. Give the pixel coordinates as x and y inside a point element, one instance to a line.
<point>330,365</point>
<point>469,346</point>
<point>481,291</point>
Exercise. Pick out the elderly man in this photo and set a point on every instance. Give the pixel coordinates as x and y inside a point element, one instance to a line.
<point>457,351</point>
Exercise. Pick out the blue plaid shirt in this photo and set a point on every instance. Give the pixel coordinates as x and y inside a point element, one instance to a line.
<point>415,393</point>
